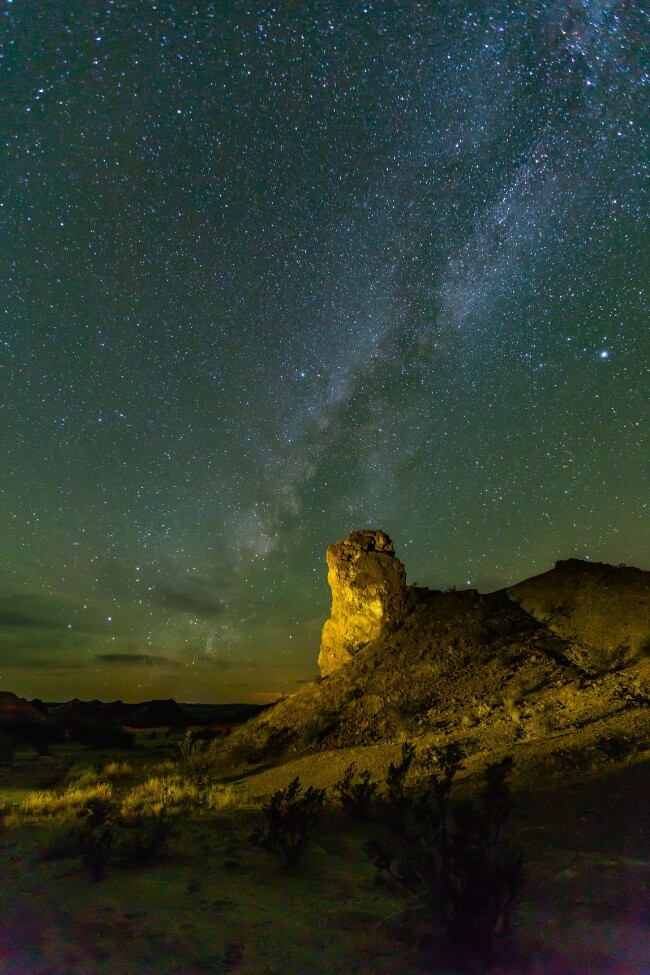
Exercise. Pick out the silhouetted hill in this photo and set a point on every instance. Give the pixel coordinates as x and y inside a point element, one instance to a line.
<point>152,714</point>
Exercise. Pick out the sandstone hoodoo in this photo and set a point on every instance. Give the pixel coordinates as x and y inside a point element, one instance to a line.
<point>369,595</point>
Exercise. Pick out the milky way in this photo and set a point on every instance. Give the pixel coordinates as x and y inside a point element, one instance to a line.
<point>272,274</point>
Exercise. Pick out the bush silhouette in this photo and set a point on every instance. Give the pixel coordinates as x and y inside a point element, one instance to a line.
<point>198,758</point>
<point>147,839</point>
<point>289,819</point>
<point>356,796</point>
<point>96,837</point>
<point>454,860</point>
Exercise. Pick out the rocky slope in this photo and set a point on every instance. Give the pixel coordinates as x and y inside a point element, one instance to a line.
<point>604,610</point>
<point>479,670</point>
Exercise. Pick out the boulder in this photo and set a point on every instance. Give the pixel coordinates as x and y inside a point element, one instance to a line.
<point>369,595</point>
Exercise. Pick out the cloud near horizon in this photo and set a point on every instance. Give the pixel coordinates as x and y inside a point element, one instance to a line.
<point>137,659</point>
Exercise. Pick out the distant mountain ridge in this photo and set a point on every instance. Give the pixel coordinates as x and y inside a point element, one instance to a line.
<point>143,714</point>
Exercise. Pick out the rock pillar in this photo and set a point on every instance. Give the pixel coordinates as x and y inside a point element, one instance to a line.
<point>368,586</point>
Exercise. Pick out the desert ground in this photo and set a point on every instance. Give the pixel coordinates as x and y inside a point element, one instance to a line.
<point>210,901</point>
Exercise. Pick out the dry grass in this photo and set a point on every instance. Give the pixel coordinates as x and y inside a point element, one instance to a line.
<point>175,795</point>
<point>47,804</point>
<point>117,770</point>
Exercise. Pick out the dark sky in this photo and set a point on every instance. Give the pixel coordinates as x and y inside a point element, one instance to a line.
<point>273,272</point>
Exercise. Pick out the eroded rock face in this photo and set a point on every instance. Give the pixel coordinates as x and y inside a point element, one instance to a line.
<point>369,595</point>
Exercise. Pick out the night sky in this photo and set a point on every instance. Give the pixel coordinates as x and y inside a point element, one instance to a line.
<point>275,272</point>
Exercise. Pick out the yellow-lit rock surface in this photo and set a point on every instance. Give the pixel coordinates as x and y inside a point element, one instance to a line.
<point>369,595</point>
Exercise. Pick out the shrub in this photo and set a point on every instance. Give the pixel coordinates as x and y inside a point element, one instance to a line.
<point>60,844</point>
<point>96,834</point>
<point>317,729</point>
<point>454,861</point>
<point>356,796</point>
<point>147,837</point>
<point>197,760</point>
<point>289,819</point>
<point>396,800</point>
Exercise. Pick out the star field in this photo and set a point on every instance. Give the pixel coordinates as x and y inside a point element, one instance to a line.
<point>275,272</point>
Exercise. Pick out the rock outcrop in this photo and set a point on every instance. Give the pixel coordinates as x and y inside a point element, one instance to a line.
<point>369,595</point>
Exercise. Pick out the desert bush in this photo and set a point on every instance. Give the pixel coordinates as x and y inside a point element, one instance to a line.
<point>96,834</point>
<point>407,713</point>
<point>356,791</point>
<point>616,747</point>
<point>596,661</point>
<point>396,800</point>
<point>61,843</point>
<point>146,837</point>
<point>454,861</point>
<point>317,729</point>
<point>635,692</point>
<point>198,759</point>
<point>290,816</point>
<point>276,743</point>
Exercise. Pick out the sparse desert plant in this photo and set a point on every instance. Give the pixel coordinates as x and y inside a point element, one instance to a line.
<point>96,834</point>
<point>290,816</point>
<point>455,862</point>
<point>317,729</point>
<point>408,712</point>
<point>278,741</point>
<point>146,837</point>
<point>60,843</point>
<point>197,759</point>
<point>356,791</point>
<point>635,692</point>
<point>396,800</point>
<point>598,660</point>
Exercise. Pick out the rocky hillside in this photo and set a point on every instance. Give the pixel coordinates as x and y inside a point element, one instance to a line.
<point>489,671</point>
<point>604,610</point>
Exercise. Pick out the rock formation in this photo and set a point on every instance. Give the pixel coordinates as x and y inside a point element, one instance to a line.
<point>369,595</point>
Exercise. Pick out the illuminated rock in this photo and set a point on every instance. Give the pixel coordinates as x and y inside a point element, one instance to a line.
<point>369,595</point>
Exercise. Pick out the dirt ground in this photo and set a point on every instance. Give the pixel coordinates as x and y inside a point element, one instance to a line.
<point>218,904</point>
